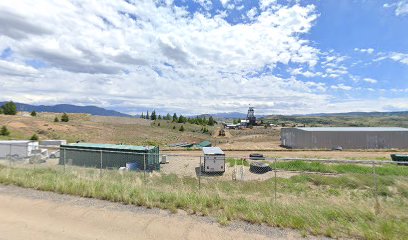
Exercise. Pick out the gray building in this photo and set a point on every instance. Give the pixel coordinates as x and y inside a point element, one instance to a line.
<point>345,137</point>
<point>109,155</point>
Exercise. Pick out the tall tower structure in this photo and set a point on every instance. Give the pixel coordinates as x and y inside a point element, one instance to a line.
<point>251,117</point>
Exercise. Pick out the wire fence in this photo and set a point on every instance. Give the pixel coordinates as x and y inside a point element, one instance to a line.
<point>379,184</point>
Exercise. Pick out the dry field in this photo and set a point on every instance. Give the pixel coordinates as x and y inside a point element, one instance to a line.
<point>97,129</point>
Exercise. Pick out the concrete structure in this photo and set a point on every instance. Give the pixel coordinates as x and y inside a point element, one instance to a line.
<point>214,160</point>
<point>345,137</point>
<point>110,155</point>
<point>17,148</point>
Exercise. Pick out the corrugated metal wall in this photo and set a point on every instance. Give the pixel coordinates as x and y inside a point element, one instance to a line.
<point>148,159</point>
<point>297,138</point>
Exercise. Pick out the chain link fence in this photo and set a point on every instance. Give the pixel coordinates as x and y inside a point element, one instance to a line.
<point>377,185</point>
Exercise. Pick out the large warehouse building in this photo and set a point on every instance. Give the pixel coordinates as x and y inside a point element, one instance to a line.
<point>109,155</point>
<point>345,137</point>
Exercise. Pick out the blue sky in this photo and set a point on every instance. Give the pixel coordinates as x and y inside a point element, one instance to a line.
<point>202,56</point>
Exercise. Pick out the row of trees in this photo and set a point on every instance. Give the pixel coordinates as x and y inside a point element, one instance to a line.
<point>180,119</point>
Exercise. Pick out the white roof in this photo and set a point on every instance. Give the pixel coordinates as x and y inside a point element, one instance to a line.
<point>353,129</point>
<point>14,141</point>
<point>212,151</point>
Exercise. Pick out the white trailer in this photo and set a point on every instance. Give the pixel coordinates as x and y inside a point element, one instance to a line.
<point>17,148</point>
<point>214,160</point>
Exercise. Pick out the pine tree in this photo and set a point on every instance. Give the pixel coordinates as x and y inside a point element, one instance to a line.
<point>159,117</point>
<point>153,116</point>
<point>168,117</point>
<point>211,121</point>
<point>9,108</point>
<point>175,118</point>
<point>142,115</point>
<point>147,115</point>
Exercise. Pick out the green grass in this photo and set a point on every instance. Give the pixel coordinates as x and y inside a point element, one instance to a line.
<point>314,204</point>
<point>237,162</point>
<point>389,169</point>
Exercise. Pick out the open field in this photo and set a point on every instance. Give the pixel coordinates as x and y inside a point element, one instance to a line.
<point>344,204</point>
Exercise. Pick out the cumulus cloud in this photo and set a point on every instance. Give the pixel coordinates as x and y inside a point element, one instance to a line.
<point>364,50</point>
<point>341,86</point>
<point>155,54</point>
<point>401,7</point>
<point>370,80</point>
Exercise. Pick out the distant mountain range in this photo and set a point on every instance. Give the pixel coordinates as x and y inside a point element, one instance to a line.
<point>68,108</point>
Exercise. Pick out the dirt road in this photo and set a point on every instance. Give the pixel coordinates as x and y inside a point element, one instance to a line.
<point>30,214</point>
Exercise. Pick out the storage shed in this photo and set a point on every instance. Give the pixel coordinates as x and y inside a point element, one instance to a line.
<point>110,155</point>
<point>214,160</point>
<point>345,137</point>
<point>17,148</point>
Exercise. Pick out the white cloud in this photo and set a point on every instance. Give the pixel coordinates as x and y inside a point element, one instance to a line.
<point>252,13</point>
<point>370,80</point>
<point>364,50</point>
<point>266,3</point>
<point>123,55</point>
<point>395,56</point>
<point>401,7</point>
<point>341,86</point>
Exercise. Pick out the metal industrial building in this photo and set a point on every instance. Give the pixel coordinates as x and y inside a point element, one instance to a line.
<point>345,137</point>
<point>109,155</point>
<point>17,148</point>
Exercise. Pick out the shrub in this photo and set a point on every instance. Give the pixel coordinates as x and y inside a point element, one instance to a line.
<point>64,118</point>
<point>4,131</point>
<point>56,119</point>
<point>181,129</point>
<point>34,137</point>
<point>33,113</point>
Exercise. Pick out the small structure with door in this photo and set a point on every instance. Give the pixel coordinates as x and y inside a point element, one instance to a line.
<point>214,160</point>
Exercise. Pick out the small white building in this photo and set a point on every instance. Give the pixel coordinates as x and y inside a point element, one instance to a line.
<point>17,148</point>
<point>214,160</point>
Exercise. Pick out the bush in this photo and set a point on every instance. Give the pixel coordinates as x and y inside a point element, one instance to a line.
<point>64,118</point>
<point>9,108</point>
<point>34,137</point>
<point>174,127</point>
<point>56,119</point>
<point>181,129</point>
<point>4,131</point>
<point>33,113</point>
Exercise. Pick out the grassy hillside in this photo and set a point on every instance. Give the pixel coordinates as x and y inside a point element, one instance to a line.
<point>84,127</point>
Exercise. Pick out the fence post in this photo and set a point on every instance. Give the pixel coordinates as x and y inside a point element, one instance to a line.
<point>9,155</point>
<point>144,167</point>
<point>64,159</point>
<point>377,204</point>
<point>100,169</point>
<point>242,169</point>
<point>275,179</point>
<point>199,175</point>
